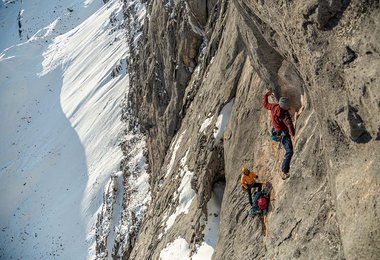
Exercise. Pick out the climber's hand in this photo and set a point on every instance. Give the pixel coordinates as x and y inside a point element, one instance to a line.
<point>269,93</point>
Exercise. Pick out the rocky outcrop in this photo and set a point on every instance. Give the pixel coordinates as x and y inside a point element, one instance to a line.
<point>196,57</point>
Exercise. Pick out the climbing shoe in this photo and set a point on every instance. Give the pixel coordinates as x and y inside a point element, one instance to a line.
<point>284,175</point>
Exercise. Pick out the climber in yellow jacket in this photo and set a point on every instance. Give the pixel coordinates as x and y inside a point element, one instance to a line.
<point>248,181</point>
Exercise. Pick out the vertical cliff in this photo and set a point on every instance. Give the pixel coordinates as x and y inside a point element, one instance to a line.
<point>197,81</point>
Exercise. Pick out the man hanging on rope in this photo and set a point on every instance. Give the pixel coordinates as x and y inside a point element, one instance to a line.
<point>283,128</point>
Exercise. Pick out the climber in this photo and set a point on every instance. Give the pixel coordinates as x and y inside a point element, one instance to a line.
<point>283,129</point>
<point>260,204</point>
<point>261,200</point>
<point>248,181</point>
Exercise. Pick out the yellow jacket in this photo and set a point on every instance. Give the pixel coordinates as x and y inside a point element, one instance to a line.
<point>247,180</point>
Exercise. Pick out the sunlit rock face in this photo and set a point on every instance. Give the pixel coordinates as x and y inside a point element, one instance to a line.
<point>198,58</point>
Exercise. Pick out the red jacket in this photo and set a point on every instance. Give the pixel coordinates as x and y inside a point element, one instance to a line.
<point>280,117</point>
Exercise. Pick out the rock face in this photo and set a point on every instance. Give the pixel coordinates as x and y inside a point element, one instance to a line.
<point>197,56</point>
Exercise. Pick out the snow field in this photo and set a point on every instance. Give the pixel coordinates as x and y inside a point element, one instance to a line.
<point>36,16</point>
<point>60,97</point>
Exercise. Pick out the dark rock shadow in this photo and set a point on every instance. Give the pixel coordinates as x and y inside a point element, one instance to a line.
<point>330,13</point>
<point>378,135</point>
<point>358,131</point>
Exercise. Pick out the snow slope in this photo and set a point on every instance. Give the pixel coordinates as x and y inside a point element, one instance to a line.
<point>60,107</point>
<point>180,248</point>
<point>211,230</point>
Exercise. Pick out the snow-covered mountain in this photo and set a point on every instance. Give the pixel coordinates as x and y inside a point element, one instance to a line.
<point>63,78</point>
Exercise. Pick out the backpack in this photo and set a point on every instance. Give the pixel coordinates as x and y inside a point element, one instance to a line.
<point>262,203</point>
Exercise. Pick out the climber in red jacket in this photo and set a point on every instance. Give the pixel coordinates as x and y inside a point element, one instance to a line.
<point>282,128</point>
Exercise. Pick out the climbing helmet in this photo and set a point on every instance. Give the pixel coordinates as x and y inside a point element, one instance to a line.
<point>244,170</point>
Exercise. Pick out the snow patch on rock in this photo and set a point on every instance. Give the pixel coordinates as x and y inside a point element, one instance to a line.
<point>185,194</point>
<point>177,143</point>
<point>136,195</point>
<point>222,121</point>
<point>205,124</point>
<point>211,230</point>
<point>178,249</point>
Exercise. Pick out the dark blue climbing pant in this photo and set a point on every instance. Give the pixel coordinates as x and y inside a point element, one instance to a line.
<point>255,207</point>
<point>254,185</point>
<point>287,143</point>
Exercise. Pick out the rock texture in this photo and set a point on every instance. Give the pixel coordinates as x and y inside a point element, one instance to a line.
<point>196,56</point>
